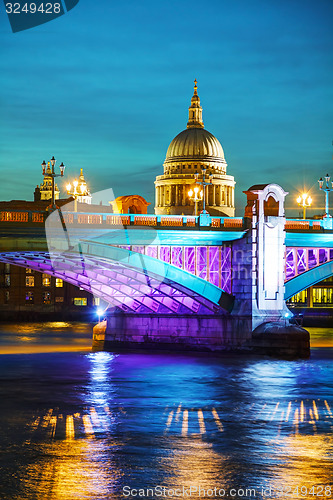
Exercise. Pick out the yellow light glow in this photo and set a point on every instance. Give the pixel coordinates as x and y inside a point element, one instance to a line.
<point>75,183</point>
<point>69,187</point>
<point>299,200</point>
<point>190,193</point>
<point>82,188</point>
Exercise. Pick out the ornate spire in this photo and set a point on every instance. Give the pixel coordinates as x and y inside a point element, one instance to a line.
<point>195,110</point>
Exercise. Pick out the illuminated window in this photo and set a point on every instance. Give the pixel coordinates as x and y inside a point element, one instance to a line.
<point>80,301</point>
<point>7,279</point>
<point>46,280</point>
<point>59,283</point>
<point>322,296</point>
<point>29,281</point>
<point>59,299</point>
<point>96,301</point>
<point>28,270</point>
<point>29,297</point>
<point>7,268</point>
<point>6,297</point>
<point>299,298</point>
<point>46,297</point>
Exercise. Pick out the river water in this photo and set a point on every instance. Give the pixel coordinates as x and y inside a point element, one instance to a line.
<point>81,425</point>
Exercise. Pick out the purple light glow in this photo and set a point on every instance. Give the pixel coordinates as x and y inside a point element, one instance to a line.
<point>115,283</point>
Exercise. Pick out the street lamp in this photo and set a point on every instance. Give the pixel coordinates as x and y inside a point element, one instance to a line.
<point>327,190</point>
<point>304,201</point>
<point>196,197</point>
<point>79,191</point>
<point>53,175</point>
<point>203,183</point>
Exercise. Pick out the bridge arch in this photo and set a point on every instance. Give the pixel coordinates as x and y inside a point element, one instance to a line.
<point>131,281</point>
<point>307,279</point>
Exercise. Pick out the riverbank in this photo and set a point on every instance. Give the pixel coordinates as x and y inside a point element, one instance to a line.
<point>59,336</point>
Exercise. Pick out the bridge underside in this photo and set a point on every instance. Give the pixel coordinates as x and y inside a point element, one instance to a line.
<point>307,279</point>
<point>134,283</point>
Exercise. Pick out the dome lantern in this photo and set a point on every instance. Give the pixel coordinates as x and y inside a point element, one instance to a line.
<point>195,110</point>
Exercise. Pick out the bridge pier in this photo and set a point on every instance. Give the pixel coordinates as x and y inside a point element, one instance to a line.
<point>258,276</point>
<point>259,321</point>
<point>192,332</point>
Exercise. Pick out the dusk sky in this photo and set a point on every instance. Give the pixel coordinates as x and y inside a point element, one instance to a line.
<point>107,86</point>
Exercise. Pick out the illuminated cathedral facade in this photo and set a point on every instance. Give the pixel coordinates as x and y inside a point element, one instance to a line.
<point>192,154</point>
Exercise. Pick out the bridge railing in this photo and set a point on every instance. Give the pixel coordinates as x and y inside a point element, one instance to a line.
<point>297,224</point>
<point>109,219</point>
<point>232,223</point>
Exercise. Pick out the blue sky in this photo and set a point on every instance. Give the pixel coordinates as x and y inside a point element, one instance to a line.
<point>106,87</point>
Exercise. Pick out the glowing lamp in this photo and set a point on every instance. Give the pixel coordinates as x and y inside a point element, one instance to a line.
<point>53,161</point>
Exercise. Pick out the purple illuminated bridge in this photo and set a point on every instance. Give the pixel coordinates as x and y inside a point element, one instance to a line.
<point>158,264</point>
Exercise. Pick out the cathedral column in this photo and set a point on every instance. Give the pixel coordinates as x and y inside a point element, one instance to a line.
<point>176,195</point>
<point>221,193</point>
<point>214,195</point>
<point>184,195</point>
<point>233,196</point>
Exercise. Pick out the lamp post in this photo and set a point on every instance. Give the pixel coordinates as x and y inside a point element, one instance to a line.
<point>304,201</point>
<point>71,190</point>
<point>196,197</point>
<point>203,183</point>
<point>327,190</point>
<point>78,190</point>
<point>53,175</point>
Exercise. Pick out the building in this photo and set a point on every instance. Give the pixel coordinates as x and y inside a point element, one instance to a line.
<point>191,151</point>
<point>30,295</point>
<point>79,190</point>
<point>131,204</point>
<point>44,191</point>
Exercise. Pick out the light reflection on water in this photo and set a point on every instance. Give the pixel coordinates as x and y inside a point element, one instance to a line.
<point>76,425</point>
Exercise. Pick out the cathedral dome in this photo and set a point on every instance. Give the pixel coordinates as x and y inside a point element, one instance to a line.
<point>193,155</point>
<point>195,144</point>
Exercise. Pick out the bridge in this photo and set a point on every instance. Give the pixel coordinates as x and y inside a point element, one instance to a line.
<point>190,269</point>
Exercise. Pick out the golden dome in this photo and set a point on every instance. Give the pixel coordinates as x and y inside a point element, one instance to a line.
<point>195,144</point>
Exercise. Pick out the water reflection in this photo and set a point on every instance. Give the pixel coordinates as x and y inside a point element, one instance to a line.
<point>77,425</point>
<point>306,466</point>
<point>76,470</point>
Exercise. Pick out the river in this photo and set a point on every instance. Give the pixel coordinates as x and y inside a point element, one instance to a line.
<point>81,425</point>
